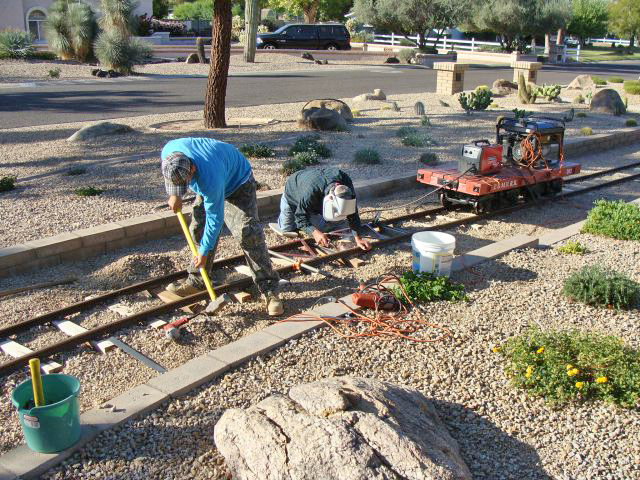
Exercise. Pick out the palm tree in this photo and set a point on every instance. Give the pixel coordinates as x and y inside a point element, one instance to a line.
<point>214,102</point>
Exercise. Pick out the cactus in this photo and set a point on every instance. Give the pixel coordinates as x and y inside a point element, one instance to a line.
<point>526,92</point>
<point>395,107</point>
<point>418,109</point>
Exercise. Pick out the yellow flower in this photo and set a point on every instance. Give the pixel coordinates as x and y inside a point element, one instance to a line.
<point>579,385</point>
<point>529,371</point>
<point>540,350</point>
<point>495,349</point>
<point>569,366</point>
<point>573,371</point>
<point>601,380</point>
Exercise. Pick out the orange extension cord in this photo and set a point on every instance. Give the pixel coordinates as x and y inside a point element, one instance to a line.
<point>531,154</point>
<point>401,324</point>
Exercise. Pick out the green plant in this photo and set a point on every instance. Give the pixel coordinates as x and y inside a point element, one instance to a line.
<point>257,151</point>
<point>581,115</point>
<point>563,366</point>
<point>632,87</point>
<point>7,183</point>
<point>594,285</point>
<point>121,53</point>
<point>362,37</point>
<point>54,72</point>
<point>407,54</point>
<point>549,92</point>
<point>517,113</point>
<point>71,29</point>
<point>424,287</point>
<point>616,219</point>
<point>615,80</point>
<point>631,122</point>
<point>588,97</point>
<point>482,87</point>
<point>526,92</point>
<point>429,158</point>
<point>494,105</point>
<point>15,44</point>
<point>300,161</point>
<point>478,100</point>
<point>405,131</point>
<point>417,140</point>
<point>586,131</point>
<point>87,191</point>
<point>366,156</point>
<point>424,121</point>
<point>76,171</point>
<point>579,99</point>
<point>573,248</point>
<point>598,80</point>
<point>310,143</point>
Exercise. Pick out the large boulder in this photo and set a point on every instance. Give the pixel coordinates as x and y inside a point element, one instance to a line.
<point>582,82</point>
<point>376,95</point>
<point>322,119</point>
<point>332,104</point>
<point>607,101</point>
<point>192,58</point>
<point>99,129</point>
<point>347,428</point>
<point>503,86</point>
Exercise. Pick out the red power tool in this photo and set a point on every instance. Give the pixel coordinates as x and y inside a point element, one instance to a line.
<point>375,300</point>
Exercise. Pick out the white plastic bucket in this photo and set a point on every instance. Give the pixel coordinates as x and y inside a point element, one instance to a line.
<point>432,252</point>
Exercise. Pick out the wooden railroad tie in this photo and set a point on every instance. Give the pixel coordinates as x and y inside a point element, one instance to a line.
<point>16,350</point>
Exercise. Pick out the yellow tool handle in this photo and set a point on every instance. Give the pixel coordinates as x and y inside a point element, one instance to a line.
<point>203,272</point>
<point>36,382</point>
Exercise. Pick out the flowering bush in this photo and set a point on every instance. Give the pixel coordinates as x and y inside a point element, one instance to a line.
<point>563,366</point>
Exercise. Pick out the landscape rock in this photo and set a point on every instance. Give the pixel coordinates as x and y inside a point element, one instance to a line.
<point>322,119</point>
<point>192,58</point>
<point>307,56</point>
<point>607,101</point>
<point>392,60</point>
<point>376,95</point>
<point>503,87</point>
<point>582,82</point>
<point>342,427</point>
<point>98,130</point>
<point>332,104</point>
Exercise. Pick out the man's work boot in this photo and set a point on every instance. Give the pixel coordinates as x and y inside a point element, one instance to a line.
<point>184,288</point>
<point>275,306</point>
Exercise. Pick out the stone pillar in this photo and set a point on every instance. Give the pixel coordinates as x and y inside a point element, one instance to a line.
<point>450,77</point>
<point>528,69</point>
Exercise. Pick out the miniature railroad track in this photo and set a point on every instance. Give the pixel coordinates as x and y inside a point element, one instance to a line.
<point>382,230</point>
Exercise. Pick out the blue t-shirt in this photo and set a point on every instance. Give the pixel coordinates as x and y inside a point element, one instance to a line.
<point>220,170</point>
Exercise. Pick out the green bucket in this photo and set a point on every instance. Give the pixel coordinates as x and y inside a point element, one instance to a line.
<point>55,426</point>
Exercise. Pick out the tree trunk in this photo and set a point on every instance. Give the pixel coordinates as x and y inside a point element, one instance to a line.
<point>310,12</point>
<point>219,67</point>
<point>251,19</point>
<point>547,43</point>
<point>632,41</point>
<point>560,37</point>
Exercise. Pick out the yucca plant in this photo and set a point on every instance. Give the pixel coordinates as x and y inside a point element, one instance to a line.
<point>118,15</point>
<point>71,29</point>
<point>15,44</point>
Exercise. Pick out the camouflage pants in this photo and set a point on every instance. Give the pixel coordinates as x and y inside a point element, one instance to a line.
<point>241,218</point>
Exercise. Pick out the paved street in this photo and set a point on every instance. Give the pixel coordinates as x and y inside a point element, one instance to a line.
<point>89,99</point>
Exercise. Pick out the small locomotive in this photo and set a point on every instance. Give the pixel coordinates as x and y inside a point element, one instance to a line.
<point>526,162</point>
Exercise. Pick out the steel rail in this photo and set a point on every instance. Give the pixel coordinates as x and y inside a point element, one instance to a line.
<point>247,281</point>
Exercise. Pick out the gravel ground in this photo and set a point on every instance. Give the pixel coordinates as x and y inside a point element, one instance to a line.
<point>163,256</point>
<point>502,433</point>
<point>120,164</point>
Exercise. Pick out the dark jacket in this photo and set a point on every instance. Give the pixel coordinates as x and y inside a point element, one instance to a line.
<point>305,190</point>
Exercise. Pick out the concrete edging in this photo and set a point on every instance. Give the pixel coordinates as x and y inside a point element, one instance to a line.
<point>89,242</point>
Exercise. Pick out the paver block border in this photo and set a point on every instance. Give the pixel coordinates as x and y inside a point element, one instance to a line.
<point>246,348</point>
<point>189,375</point>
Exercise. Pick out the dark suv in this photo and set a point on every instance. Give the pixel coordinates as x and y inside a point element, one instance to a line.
<point>314,36</point>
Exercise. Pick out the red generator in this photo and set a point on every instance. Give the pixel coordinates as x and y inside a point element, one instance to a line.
<point>526,162</point>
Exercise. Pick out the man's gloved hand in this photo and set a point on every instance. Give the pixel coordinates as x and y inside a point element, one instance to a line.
<point>320,238</point>
<point>360,242</point>
<point>175,203</point>
<point>200,261</point>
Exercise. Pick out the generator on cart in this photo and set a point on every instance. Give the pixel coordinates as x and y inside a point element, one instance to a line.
<point>526,162</point>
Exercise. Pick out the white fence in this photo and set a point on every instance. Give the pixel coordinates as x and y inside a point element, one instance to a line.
<point>617,41</point>
<point>472,45</point>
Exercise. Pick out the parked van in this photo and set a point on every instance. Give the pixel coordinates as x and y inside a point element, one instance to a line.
<point>310,36</point>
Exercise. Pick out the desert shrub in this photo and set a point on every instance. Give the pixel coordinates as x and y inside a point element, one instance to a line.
<point>573,248</point>
<point>404,131</point>
<point>44,55</point>
<point>385,107</point>
<point>300,161</point>
<point>76,171</point>
<point>257,151</point>
<point>579,99</point>
<point>632,87</point>
<point>594,285</point>
<point>424,287</point>
<point>366,156</point>
<point>615,80</point>
<point>121,52</point>
<point>478,100</point>
<point>631,122</point>
<point>563,366</point>
<point>424,121</point>
<point>87,191</point>
<point>407,43</point>
<point>549,92</point>
<point>7,183</point>
<point>616,219</point>
<point>482,87</point>
<point>71,29</point>
<point>362,37</point>
<point>15,44</point>
<point>429,158</point>
<point>417,140</point>
<point>581,115</point>
<point>310,143</point>
<point>54,72</point>
<point>407,54</point>
<point>353,25</point>
<point>598,80</point>
<point>586,131</point>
